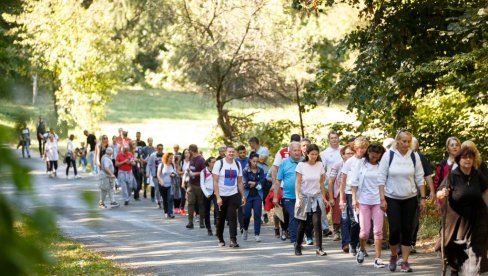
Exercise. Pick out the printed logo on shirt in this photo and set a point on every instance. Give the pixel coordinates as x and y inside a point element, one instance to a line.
<point>230,177</point>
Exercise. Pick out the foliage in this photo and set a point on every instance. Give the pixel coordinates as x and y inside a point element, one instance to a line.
<point>78,49</point>
<point>19,254</point>
<point>444,114</point>
<point>411,49</point>
<point>273,134</point>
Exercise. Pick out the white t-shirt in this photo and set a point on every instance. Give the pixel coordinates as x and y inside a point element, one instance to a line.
<point>310,184</point>
<point>347,169</point>
<point>227,177</point>
<point>330,157</point>
<point>367,181</point>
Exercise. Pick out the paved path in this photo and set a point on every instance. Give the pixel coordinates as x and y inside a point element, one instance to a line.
<point>139,239</point>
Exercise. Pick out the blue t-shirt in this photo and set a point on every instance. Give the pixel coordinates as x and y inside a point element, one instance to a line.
<point>287,174</point>
<point>242,162</point>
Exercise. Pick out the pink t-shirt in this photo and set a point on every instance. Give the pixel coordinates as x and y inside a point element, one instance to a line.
<point>310,184</point>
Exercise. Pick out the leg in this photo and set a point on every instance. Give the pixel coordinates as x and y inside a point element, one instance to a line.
<point>409,212</point>
<point>354,225</point>
<point>257,207</point>
<point>246,213</point>
<point>73,162</point>
<point>208,206</point>
<point>394,213</point>
<point>164,195</point>
<point>365,224</point>
<point>289,205</point>
<point>111,192</point>
<point>157,194</point>
<point>300,231</point>
<point>68,164</point>
<point>122,179</point>
<point>201,205</point>
<point>317,227</point>
<point>183,199</point>
<point>234,203</point>
<point>191,204</point>
<point>40,145</point>
<point>378,217</point>
<point>221,215</point>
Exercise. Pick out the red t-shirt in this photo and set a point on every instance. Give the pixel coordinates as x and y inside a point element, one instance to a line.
<point>121,157</point>
<point>122,141</point>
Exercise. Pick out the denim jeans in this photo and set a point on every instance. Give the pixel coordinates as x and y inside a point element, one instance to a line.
<point>254,203</point>
<point>93,166</point>
<point>167,199</point>
<point>349,227</point>
<point>289,205</point>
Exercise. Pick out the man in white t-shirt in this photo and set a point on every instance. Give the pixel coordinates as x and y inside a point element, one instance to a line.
<point>329,157</point>
<point>229,194</point>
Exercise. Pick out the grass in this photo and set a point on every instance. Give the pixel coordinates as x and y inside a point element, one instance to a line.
<point>67,257</point>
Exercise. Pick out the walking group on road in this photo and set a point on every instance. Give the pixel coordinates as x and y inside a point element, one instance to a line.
<point>375,192</point>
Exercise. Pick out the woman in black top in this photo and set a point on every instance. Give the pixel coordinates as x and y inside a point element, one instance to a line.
<point>466,219</point>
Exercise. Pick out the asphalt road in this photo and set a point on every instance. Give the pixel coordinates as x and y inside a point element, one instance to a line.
<point>139,239</point>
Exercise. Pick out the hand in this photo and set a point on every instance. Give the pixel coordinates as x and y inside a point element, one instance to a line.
<point>445,193</point>
<point>327,204</point>
<point>341,204</point>
<point>275,201</point>
<point>354,204</point>
<point>243,201</point>
<point>252,184</point>
<point>383,205</point>
<point>219,202</point>
<point>298,203</point>
<point>331,202</point>
<point>432,198</point>
<point>422,204</point>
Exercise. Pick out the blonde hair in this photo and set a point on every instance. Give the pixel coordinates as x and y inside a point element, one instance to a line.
<point>360,142</point>
<point>399,136</point>
<point>472,146</point>
<point>448,141</point>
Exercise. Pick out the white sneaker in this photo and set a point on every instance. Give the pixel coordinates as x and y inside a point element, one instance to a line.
<point>244,235</point>
<point>77,177</point>
<point>257,238</point>
<point>378,263</point>
<point>399,261</point>
<point>360,257</point>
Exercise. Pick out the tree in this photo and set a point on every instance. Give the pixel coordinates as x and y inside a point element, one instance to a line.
<point>413,50</point>
<point>73,44</point>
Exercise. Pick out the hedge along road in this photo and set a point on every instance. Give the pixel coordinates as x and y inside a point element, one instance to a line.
<point>138,238</point>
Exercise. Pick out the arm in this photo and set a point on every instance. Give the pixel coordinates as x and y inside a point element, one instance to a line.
<point>276,184</point>
<point>342,196</point>
<point>241,189</point>
<point>117,163</point>
<point>322,188</point>
<point>354,202</point>
<point>298,181</point>
<point>431,187</point>
<point>202,183</point>
<point>160,177</point>
<point>383,204</point>
<point>331,190</point>
<point>419,180</point>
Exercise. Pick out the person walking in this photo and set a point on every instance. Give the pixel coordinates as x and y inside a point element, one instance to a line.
<point>153,162</point>
<point>287,175</point>
<point>368,198</point>
<point>182,166</point>
<point>25,140</point>
<point>125,161</point>
<point>453,145</point>
<point>330,156</point>
<point>91,141</point>
<point>52,155</point>
<point>206,184</point>
<point>70,157</point>
<point>166,171</point>
<point>146,152</point>
<point>402,175</point>
<point>334,197</point>
<point>40,130</point>
<point>107,180</point>
<point>195,195</point>
<point>228,188</point>
<point>311,199</point>
<point>349,224</point>
<point>464,191</point>
<point>253,179</point>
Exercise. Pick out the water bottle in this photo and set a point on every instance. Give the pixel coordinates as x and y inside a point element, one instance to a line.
<point>344,212</point>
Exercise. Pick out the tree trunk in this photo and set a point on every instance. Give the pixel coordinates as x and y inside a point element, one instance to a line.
<point>223,119</point>
<point>300,109</point>
<point>34,88</point>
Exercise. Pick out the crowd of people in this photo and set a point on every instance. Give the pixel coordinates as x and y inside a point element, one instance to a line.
<point>375,192</point>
